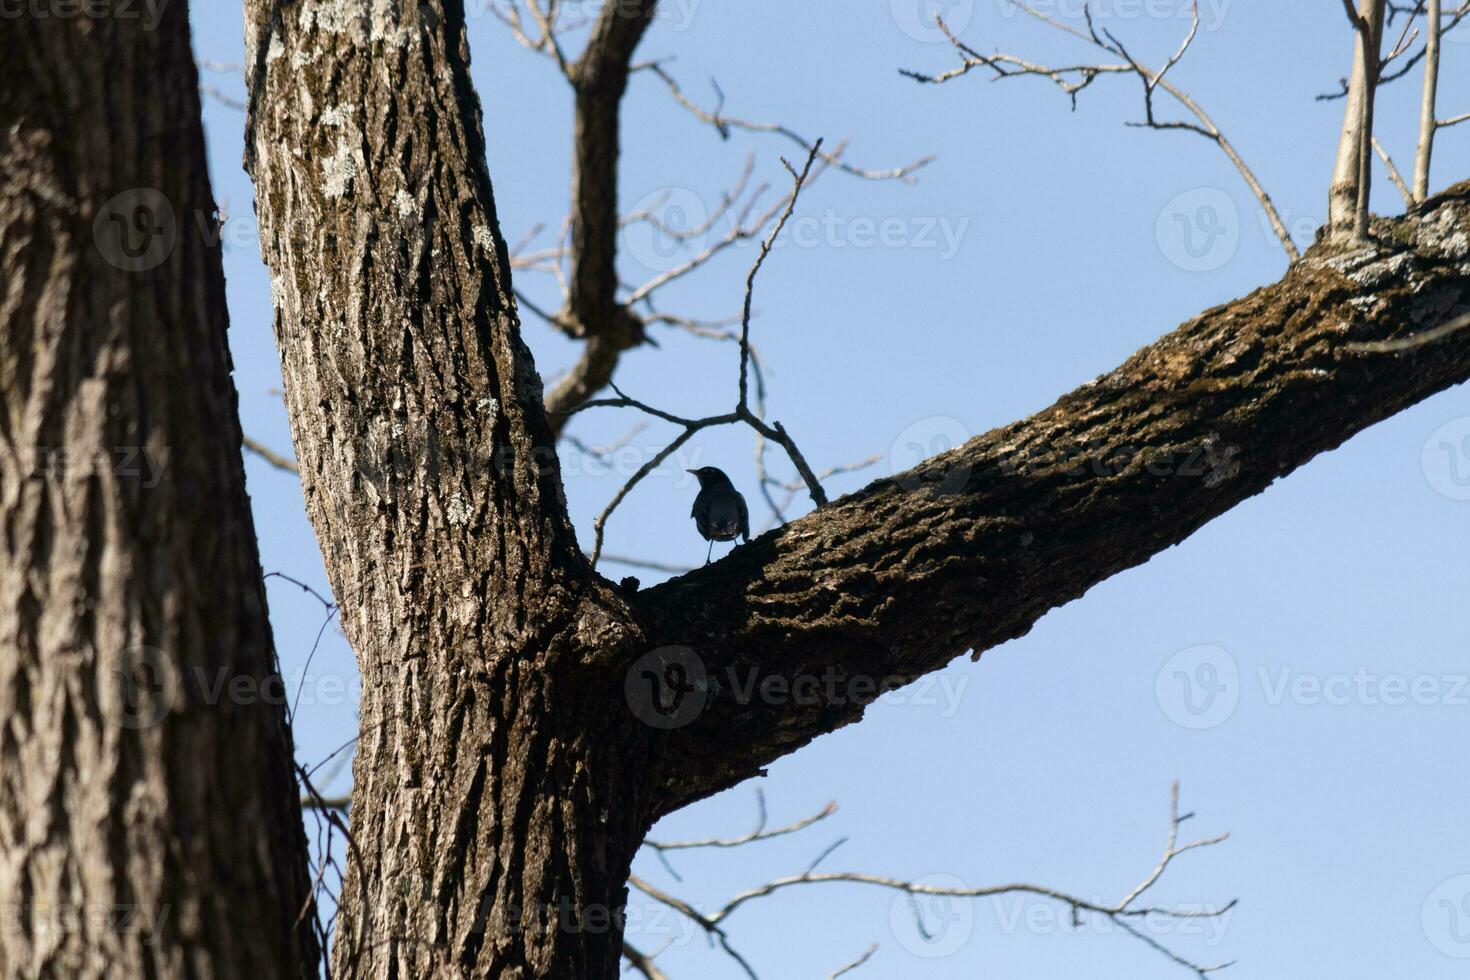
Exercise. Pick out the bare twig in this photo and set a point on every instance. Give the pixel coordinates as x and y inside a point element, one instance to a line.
<point>1129,913</point>
<point>1412,343</point>
<point>791,488</point>
<point>653,566</point>
<point>742,412</point>
<point>269,455</point>
<point>1072,79</point>
<point>724,123</point>
<point>642,962</point>
<point>546,40</point>
<point>1455,17</point>
<point>866,955</point>
<point>1393,173</point>
<point>760,833</point>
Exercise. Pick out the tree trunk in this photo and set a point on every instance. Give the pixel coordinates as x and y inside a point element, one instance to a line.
<point>507,767</point>
<point>149,821</point>
<point>499,780</point>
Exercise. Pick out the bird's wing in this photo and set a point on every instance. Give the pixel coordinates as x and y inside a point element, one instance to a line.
<point>744,517</point>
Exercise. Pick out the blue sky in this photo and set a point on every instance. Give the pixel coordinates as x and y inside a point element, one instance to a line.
<point>1328,616</point>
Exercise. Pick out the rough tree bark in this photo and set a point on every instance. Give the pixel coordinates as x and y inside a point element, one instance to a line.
<point>149,824</point>
<point>503,777</point>
<point>496,789</point>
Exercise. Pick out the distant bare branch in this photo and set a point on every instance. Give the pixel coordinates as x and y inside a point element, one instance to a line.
<point>1393,173</point>
<point>1073,79</point>
<point>724,123</point>
<point>866,955</point>
<point>760,833</point>
<point>1129,913</point>
<point>269,455</point>
<point>742,413</point>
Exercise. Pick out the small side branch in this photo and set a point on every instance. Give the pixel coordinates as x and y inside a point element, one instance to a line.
<point>1348,198</point>
<point>743,412</point>
<point>269,455</point>
<point>1130,914</point>
<point>1393,173</point>
<point>725,123</point>
<point>1073,79</point>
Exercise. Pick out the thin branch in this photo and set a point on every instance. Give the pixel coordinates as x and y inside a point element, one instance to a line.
<point>1455,16</point>
<point>1414,342</point>
<point>866,955</point>
<point>1127,913</point>
<point>760,833</point>
<point>1428,127</point>
<point>547,41</point>
<point>1393,173</point>
<point>269,455</point>
<point>742,413</point>
<point>791,488</point>
<point>654,566</point>
<point>1072,79</point>
<point>642,962</point>
<point>724,123</point>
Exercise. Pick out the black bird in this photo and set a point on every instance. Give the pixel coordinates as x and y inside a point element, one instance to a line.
<point>719,511</point>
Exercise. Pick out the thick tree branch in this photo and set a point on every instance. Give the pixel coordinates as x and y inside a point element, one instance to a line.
<point>599,78</point>
<point>972,547</point>
<point>593,309</point>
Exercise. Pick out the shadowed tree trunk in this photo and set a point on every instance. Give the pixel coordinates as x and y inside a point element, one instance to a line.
<point>149,824</point>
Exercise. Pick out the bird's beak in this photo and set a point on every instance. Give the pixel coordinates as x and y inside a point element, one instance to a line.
<point>691,471</point>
